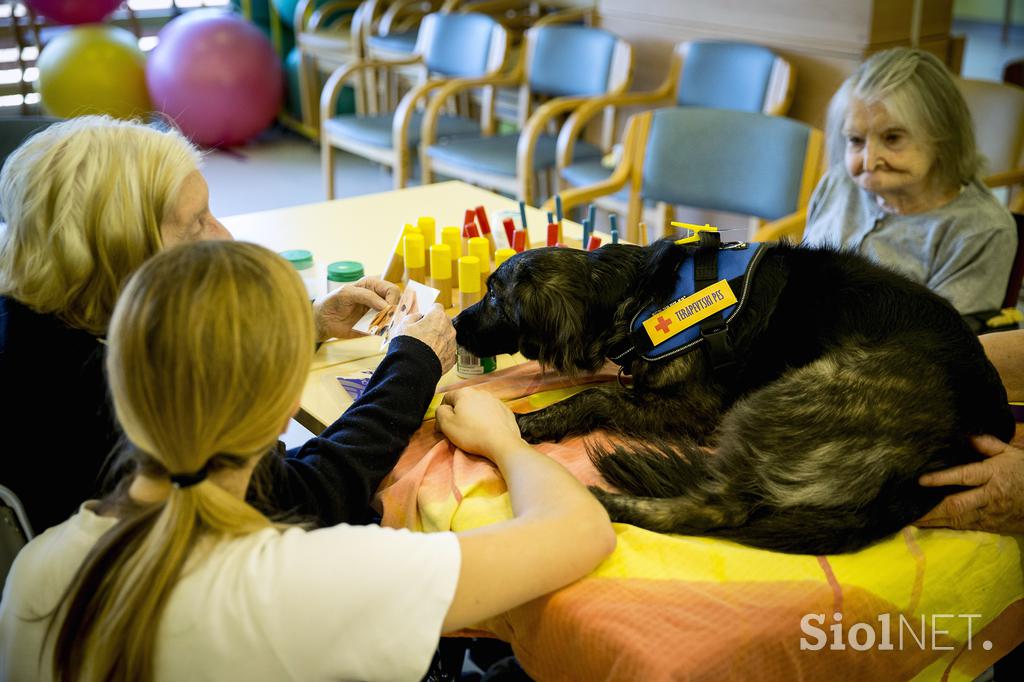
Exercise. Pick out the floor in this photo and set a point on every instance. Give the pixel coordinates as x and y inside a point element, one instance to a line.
<point>281,169</point>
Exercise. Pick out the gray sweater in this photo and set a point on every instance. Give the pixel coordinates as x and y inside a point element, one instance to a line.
<point>962,251</point>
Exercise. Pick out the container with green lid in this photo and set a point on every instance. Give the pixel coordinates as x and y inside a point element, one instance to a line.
<point>302,261</point>
<point>343,271</point>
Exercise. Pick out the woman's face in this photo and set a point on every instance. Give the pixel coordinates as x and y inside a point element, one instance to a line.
<point>882,156</point>
<point>189,218</point>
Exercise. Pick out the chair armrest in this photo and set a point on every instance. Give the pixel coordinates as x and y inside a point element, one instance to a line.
<point>579,119</point>
<point>587,14</point>
<point>788,227</point>
<point>454,86</point>
<point>332,87</point>
<point>633,139</point>
<point>400,9</point>
<point>1014,176</point>
<point>405,109</point>
<point>532,131</point>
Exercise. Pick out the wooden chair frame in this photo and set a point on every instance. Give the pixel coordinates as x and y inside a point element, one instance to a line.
<point>629,172</point>
<point>778,99</point>
<point>532,125</point>
<point>399,157</point>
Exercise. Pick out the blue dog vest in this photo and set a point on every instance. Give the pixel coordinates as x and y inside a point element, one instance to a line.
<point>699,309</point>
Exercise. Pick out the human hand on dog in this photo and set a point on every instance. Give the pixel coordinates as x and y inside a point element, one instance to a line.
<point>339,310</point>
<point>479,423</point>
<point>995,504</point>
<point>433,329</point>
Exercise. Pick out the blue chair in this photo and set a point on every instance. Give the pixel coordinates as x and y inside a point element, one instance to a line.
<point>711,74</point>
<point>450,46</point>
<point>719,160</point>
<point>567,63</point>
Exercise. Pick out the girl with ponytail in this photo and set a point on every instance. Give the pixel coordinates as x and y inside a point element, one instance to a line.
<point>175,576</point>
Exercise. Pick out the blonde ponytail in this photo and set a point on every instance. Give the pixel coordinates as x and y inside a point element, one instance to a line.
<point>209,347</point>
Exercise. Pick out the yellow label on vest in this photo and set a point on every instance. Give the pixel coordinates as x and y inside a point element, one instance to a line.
<point>688,311</point>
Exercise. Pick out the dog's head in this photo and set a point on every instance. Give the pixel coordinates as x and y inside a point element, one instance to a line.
<point>555,305</point>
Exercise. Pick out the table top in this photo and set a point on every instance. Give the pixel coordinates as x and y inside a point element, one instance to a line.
<point>366,229</point>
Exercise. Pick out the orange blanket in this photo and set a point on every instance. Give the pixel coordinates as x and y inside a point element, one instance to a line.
<point>923,605</point>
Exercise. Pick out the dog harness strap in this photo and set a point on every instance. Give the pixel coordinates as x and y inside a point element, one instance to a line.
<point>725,273</point>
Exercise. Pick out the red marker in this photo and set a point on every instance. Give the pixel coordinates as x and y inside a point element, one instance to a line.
<point>510,229</point>
<point>595,242</point>
<point>552,234</point>
<point>470,216</point>
<point>469,230</point>
<point>519,241</point>
<point>485,229</point>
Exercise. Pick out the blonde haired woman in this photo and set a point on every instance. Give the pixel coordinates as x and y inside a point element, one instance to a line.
<point>87,201</point>
<point>903,187</point>
<point>176,577</point>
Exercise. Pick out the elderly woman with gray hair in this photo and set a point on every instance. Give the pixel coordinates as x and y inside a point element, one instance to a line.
<point>903,187</point>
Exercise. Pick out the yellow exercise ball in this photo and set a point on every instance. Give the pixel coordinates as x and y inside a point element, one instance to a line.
<point>94,69</point>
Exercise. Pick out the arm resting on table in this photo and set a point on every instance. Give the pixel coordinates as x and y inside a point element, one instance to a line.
<point>333,476</point>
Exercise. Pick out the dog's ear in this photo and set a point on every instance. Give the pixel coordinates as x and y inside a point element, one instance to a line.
<point>550,305</point>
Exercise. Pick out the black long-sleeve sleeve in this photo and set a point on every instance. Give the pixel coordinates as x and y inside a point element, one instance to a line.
<point>331,478</point>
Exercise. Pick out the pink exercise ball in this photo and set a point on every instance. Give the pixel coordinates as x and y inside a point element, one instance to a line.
<point>74,11</point>
<point>216,75</point>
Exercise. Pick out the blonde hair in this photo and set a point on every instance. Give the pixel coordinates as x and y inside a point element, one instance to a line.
<point>917,90</point>
<point>84,200</point>
<point>209,347</point>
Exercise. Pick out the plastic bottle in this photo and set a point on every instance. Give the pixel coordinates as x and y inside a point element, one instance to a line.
<point>302,261</point>
<point>342,272</point>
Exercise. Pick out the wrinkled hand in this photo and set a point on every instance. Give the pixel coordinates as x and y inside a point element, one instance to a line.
<point>478,422</point>
<point>336,312</point>
<point>995,504</point>
<point>433,329</point>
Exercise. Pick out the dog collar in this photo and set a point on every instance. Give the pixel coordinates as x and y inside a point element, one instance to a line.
<point>711,288</point>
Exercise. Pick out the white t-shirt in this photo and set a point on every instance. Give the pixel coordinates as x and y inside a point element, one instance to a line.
<point>348,602</point>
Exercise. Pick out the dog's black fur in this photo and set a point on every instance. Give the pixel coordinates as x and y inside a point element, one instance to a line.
<point>852,382</point>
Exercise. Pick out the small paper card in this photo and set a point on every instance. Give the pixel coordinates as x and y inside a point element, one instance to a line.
<point>355,385</point>
<point>417,298</point>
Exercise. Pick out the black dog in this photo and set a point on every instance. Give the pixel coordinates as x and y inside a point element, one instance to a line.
<point>849,382</point>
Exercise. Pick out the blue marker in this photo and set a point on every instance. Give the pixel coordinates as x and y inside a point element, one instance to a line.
<point>551,217</point>
<point>558,208</point>
<point>615,228</point>
<point>586,233</point>
<point>592,215</point>
<point>522,214</point>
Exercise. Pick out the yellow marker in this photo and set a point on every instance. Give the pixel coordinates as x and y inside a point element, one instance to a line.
<point>427,227</point>
<point>688,311</point>
<point>479,247</point>
<point>469,275</point>
<point>441,273</point>
<point>502,255</point>
<point>452,236</point>
<point>696,229</point>
<point>415,259</point>
<point>395,268</point>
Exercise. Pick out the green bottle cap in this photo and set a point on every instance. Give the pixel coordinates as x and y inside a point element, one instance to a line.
<point>299,258</point>
<point>345,271</point>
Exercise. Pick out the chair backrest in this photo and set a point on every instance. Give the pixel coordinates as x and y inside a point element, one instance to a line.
<point>734,161</point>
<point>569,60</point>
<point>998,113</point>
<point>461,45</point>
<point>15,530</point>
<point>736,76</point>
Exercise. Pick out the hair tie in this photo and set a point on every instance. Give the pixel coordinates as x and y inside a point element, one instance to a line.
<point>189,480</point>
